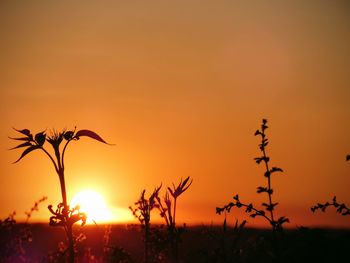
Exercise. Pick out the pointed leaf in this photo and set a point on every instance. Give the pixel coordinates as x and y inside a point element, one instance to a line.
<point>20,139</point>
<point>171,191</point>
<point>276,169</point>
<point>283,220</point>
<point>184,182</point>
<point>90,134</point>
<point>261,189</point>
<point>258,159</point>
<point>22,145</point>
<point>24,131</point>
<point>26,151</point>
<point>40,138</point>
<point>68,135</point>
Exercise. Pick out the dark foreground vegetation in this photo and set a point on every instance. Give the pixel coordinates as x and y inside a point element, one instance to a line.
<point>124,243</point>
<point>170,242</point>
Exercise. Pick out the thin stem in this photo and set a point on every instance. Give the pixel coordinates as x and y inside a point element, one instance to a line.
<point>257,212</point>
<point>63,152</point>
<point>163,212</point>
<point>268,183</point>
<point>174,213</point>
<point>53,161</point>
<point>63,191</point>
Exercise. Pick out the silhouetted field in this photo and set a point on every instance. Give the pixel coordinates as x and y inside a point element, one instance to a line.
<point>198,244</point>
<point>65,241</point>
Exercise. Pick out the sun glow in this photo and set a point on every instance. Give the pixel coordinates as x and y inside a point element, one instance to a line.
<point>93,204</point>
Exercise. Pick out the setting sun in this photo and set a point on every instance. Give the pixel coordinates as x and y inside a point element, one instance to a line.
<point>93,204</point>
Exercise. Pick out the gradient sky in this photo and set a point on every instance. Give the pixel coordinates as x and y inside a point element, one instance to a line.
<point>180,87</point>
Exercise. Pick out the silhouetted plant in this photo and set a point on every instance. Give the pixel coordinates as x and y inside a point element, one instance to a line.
<point>142,211</point>
<point>13,237</point>
<point>269,207</point>
<point>341,208</point>
<point>34,208</point>
<point>230,251</point>
<point>168,213</point>
<point>113,253</point>
<point>63,215</point>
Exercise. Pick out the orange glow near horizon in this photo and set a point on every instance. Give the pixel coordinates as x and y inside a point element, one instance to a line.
<point>92,204</point>
<point>179,88</point>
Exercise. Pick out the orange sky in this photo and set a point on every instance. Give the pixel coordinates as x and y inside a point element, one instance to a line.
<point>180,88</point>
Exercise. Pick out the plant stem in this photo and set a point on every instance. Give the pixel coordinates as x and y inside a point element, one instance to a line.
<point>69,230</point>
<point>174,214</point>
<point>268,183</point>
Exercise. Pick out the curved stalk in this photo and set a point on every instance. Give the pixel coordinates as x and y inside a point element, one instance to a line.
<point>52,160</point>
<point>63,152</point>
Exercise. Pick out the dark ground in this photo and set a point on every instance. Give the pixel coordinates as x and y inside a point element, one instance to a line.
<point>198,244</point>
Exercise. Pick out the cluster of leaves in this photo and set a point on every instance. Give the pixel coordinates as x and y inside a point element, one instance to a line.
<point>144,206</point>
<point>60,215</point>
<point>168,213</point>
<point>142,211</point>
<point>37,141</point>
<point>341,208</point>
<point>268,212</point>
<point>167,210</point>
<point>63,215</point>
<point>34,208</point>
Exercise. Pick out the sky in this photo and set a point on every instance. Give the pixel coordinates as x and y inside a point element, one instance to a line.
<point>180,88</point>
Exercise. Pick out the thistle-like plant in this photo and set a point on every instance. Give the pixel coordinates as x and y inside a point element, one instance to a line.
<point>268,211</point>
<point>142,212</point>
<point>168,212</point>
<point>63,215</point>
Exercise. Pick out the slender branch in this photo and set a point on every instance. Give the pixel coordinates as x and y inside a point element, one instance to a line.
<point>268,182</point>
<point>249,208</point>
<point>49,155</point>
<point>63,152</point>
<point>257,212</point>
<point>174,214</point>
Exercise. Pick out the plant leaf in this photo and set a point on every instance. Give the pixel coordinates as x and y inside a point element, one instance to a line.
<point>275,169</point>
<point>26,151</point>
<point>261,189</point>
<point>22,145</point>
<point>20,139</point>
<point>40,138</point>
<point>24,131</point>
<point>90,134</point>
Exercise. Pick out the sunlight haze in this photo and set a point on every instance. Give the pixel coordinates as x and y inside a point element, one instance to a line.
<point>179,87</point>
